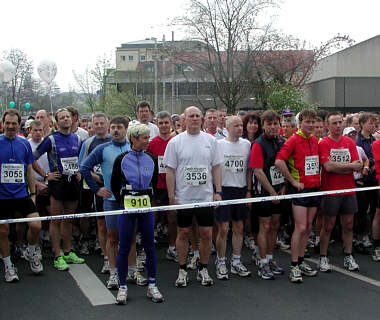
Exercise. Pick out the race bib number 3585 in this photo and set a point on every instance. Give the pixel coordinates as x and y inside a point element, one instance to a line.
<point>12,173</point>
<point>195,175</point>
<point>70,165</point>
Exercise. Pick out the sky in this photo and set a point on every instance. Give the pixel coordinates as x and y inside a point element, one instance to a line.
<point>73,33</point>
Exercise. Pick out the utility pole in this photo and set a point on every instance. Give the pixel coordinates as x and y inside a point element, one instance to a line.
<point>155,75</point>
<point>163,75</point>
<point>172,56</point>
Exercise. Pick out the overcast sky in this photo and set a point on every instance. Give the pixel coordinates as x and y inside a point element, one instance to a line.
<point>73,33</point>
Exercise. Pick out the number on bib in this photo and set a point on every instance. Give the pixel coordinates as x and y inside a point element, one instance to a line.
<point>234,164</point>
<point>161,166</point>
<point>70,165</point>
<point>12,173</point>
<point>136,201</point>
<point>311,165</point>
<point>340,155</point>
<point>276,176</point>
<point>195,176</point>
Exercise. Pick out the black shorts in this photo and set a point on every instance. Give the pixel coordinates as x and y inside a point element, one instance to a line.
<point>42,201</point>
<point>23,206</point>
<point>268,208</point>
<point>342,204</point>
<point>308,202</point>
<point>237,212</point>
<point>99,206</point>
<point>161,197</point>
<point>66,189</point>
<point>204,216</point>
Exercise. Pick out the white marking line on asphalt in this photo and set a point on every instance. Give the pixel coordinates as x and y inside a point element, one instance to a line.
<point>90,285</point>
<point>352,274</point>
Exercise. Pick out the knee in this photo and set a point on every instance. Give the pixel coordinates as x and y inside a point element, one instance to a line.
<point>302,228</point>
<point>265,227</point>
<point>35,226</point>
<point>183,234</point>
<point>205,234</point>
<point>238,228</point>
<point>4,230</point>
<point>275,225</point>
<point>223,230</point>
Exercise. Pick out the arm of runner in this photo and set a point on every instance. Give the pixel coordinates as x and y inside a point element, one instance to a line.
<point>56,175</point>
<point>93,159</point>
<point>170,183</point>
<point>216,172</point>
<point>365,164</point>
<point>342,168</point>
<point>262,178</point>
<point>31,182</point>
<point>281,165</point>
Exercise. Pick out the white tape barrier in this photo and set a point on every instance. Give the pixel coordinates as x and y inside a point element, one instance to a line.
<point>190,205</point>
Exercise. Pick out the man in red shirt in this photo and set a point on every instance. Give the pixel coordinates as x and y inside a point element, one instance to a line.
<point>157,147</point>
<point>376,219</point>
<point>339,159</point>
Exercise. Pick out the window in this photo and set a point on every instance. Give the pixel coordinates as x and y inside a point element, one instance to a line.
<point>154,57</point>
<point>130,58</point>
<point>142,58</point>
<point>122,58</point>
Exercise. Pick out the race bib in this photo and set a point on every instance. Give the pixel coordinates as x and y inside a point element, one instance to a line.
<point>276,176</point>
<point>234,164</point>
<point>195,176</point>
<point>161,166</point>
<point>70,165</point>
<point>311,165</point>
<point>340,155</point>
<point>98,170</point>
<point>12,173</point>
<point>136,201</point>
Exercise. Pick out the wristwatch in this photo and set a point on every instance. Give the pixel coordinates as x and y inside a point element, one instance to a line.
<point>219,192</point>
<point>46,175</point>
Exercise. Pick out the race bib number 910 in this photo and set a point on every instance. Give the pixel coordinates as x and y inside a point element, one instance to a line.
<point>233,164</point>
<point>195,176</point>
<point>12,173</point>
<point>136,201</point>
<point>340,155</point>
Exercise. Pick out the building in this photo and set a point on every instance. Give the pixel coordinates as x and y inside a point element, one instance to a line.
<point>348,80</point>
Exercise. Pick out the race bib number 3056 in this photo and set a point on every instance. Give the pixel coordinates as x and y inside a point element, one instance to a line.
<point>136,202</point>
<point>195,175</point>
<point>70,165</point>
<point>340,155</point>
<point>233,164</point>
<point>12,173</point>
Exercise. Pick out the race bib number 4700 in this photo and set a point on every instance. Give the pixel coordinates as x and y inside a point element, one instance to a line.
<point>233,164</point>
<point>70,165</point>
<point>12,173</point>
<point>340,155</point>
<point>195,175</point>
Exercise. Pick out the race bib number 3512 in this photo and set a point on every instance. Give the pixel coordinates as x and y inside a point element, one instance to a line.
<point>195,175</point>
<point>340,155</point>
<point>12,173</point>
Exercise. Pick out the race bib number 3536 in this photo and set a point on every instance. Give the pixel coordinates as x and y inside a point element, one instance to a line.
<point>195,175</point>
<point>12,173</point>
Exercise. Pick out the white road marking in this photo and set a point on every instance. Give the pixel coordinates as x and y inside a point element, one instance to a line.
<point>90,285</point>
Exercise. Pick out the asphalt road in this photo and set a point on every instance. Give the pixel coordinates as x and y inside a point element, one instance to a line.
<point>56,295</point>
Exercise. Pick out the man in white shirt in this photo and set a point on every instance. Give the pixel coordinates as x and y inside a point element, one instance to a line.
<point>235,178</point>
<point>83,134</point>
<point>143,114</point>
<point>193,161</point>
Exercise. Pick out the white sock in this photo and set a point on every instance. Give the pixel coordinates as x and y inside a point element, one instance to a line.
<point>171,248</point>
<point>7,262</point>
<point>196,253</point>
<point>113,271</point>
<point>221,260</point>
<point>105,258</point>
<point>151,285</point>
<point>263,261</point>
<point>269,257</point>
<point>235,259</point>
<point>317,239</point>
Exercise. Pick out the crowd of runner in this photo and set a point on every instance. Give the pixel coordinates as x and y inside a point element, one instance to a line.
<point>62,164</point>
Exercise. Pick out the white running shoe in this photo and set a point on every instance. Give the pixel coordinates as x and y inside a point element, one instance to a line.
<point>154,294</point>
<point>113,282</point>
<point>34,262</point>
<point>240,270</point>
<point>350,264</point>
<point>324,265</point>
<point>106,267</point>
<point>137,278</point>
<point>204,277</point>
<point>182,279</point>
<point>122,296</point>
<point>193,264</point>
<point>221,271</point>
<point>11,274</point>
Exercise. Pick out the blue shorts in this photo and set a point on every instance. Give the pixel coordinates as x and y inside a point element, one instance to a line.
<point>308,202</point>
<point>237,212</point>
<point>111,205</point>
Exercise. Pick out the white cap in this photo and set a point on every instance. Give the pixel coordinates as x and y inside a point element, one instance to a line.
<point>348,130</point>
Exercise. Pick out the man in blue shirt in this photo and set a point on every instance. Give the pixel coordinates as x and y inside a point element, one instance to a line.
<point>16,160</point>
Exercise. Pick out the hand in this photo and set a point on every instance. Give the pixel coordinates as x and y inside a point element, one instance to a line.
<point>54,176</point>
<point>273,194</point>
<point>365,172</point>
<point>173,201</point>
<point>41,188</point>
<point>356,165</point>
<point>104,193</point>
<point>298,185</point>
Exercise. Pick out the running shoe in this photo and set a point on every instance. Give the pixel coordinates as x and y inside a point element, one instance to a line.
<point>249,242</point>
<point>306,270</point>
<point>240,269</point>
<point>275,267</point>
<point>255,257</point>
<point>376,254</point>
<point>221,271</point>
<point>60,264</point>
<point>11,274</point>
<point>39,253</point>
<point>324,265</point>
<point>122,296</point>
<point>154,294</point>
<point>106,267</point>
<point>34,262</point>
<point>171,255</point>
<point>193,264</point>
<point>73,258</point>
<point>350,264</point>
<point>295,275</point>
<point>137,278</point>
<point>139,264</point>
<point>182,279</point>
<point>204,277</point>
<point>84,248</point>
<point>367,242</point>
<point>282,244</point>
<point>113,282</point>
<point>265,272</point>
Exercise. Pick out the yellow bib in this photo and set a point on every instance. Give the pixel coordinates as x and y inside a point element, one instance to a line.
<point>136,201</point>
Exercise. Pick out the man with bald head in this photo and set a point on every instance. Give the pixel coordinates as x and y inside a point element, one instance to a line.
<point>235,178</point>
<point>193,165</point>
<point>43,116</point>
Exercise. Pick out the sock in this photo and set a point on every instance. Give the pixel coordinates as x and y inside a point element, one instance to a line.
<point>322,255</point>
<point>113,271</point>
<point>263,261</point>
<point>196,253</point>
<point>221,260</point>
<point>300,260</point>
<point>235,259</point>
<point>152,283</point>
<point>171,248</point>
<point>294,263</point>
<point>105,258</point>
<point>183,266</point>
<point>317,239</point>
<point>124,287</point>
<point>132,269</point>
<point>202,266</point>
<point>7,262</point>
<point>269,257</point>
